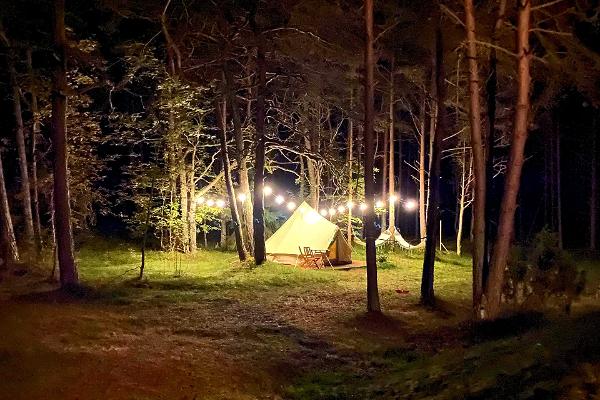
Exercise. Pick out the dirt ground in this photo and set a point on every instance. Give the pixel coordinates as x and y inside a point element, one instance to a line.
<point>163,341</point>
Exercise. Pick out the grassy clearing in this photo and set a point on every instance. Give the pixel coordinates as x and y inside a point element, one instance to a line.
<point>208,326</point>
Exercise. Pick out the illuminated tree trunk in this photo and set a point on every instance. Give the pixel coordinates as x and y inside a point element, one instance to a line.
<point>349,159</point>
<point>241,158</point>
<point>385,177</point>
<point>183,192</point>
<point>192,225</point>
<point>35,132</point>
<point>20,140</point>
<point>391,172</point>
<point>8,232</point>
<point>593,189</point>
<point>433,214</point>
<point>260,255</point>
<point>491,91</point>
<point>237,226</point>
<point>463,194</point>
<point>422,182</point>
<point>369,143</point>
<point>493,290</point>
<point>478,158</point>
<point>62,208</point>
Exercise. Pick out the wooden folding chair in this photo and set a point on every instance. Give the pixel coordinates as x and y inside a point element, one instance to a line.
<point>308,259</point>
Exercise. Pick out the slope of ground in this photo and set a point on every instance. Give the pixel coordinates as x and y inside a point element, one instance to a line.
<point>208,327</point>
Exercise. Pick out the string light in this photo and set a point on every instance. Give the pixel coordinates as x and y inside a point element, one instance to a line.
<point>379,204</point>
<point>242,197</point>
<point>220,203</point>
<point>267,190</point>
<point>291,205</point>
<point>200,200</point>
<point>350,205</point>
<point>393,198</point>
<point>279,199</point>
<point>363,206</point>
<point>332,212</point>
<point>341,209</point>
<point>410,205</point>
<point>323,212</point>
<point>210,202</point>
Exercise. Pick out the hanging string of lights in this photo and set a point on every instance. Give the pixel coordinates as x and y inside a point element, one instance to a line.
<point>330,211</point>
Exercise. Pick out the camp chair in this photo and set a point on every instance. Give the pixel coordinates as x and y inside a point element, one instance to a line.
<point>308,259</point>
<point>324,254</point>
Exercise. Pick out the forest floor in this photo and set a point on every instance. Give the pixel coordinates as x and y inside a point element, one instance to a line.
<point>208,327</point>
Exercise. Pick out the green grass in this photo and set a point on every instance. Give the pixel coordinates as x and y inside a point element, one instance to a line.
<point>281,331</point>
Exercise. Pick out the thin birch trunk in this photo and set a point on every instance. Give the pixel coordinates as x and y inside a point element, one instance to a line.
<point>35,132</point>
<point>237,225</point>
<point>8,231</point>
<point>593,189</point>
<point>183,193</point>
<point>349,159</point>
<point>391,172</point>
<point>422,194</point>
<point>240,156</point>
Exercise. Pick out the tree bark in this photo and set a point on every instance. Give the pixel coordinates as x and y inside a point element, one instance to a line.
<point>240,156</point>
<point>461,203</point>
<point>422,194</point>
<point>191,225</point>
<point>35,132</point>
<point>558,187</point>
<point>493,291</point>
<point>20,140</point>
<point>593,189</point>
<point>369,143</point>
<point>260,255</point>
<point>384,178</point>
<point>478,157</point>
<point>183,193</point>
<point>391,171</point>
<point>237,226</point>
<point>62,207</point>
<point>8,232</point>
<point>491,92</point>
<point>349,159</point>
<point>433,212</point>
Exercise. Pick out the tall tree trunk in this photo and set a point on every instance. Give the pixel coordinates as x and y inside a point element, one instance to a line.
<point>192,225</point>
<point>349,161</point>
<point>313,173</point>
<point>491,92</point>
<point>35,132</point>
<point>593,189</point>
<point>391,172</point>
<point>384,178</point>
<point>558,187</point>
<point>240,156</point>
<point>461,202</point>
<point>223,239</point>
<point>495,282</point>
<point>259,169</point>
<point>237,225</point>
<point>8,232</point>
<point>433,212</point>
<point>146,229</point>
<point>20,140</point>
<point>183,192</point>
<point>478,157</point>
<point>62,207</point>
<point>422,194</point>
<point>369,143</point>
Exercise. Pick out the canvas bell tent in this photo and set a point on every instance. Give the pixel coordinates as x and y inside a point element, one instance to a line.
<point>386,237</point>
<point>306,228</point>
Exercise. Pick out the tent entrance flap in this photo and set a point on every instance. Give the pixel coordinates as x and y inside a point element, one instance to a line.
<point>307,228</point>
